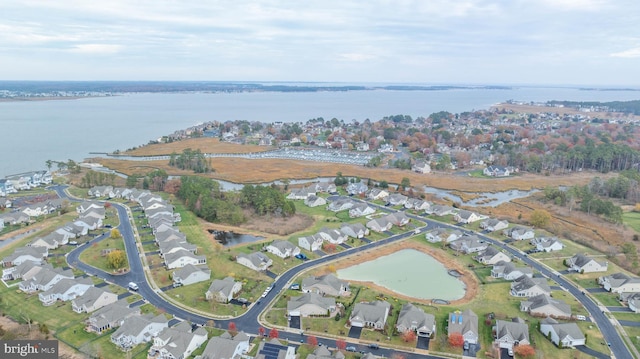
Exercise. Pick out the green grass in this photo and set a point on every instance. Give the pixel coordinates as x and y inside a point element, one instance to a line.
<point>93,256</point>
<point>632,219</point>
<point>607,299</point>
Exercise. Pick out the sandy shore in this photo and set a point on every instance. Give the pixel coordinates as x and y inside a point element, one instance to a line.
<point>468,277</point>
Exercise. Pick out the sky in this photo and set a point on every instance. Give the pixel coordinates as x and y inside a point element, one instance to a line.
<point>489,42</point>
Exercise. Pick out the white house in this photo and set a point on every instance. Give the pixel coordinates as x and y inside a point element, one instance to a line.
<point>370,315</point>
<point>256,261</point>
<point>547,244</point>
<point>354,230</point>
<point>181,258</point>
<point>315,201</point>
<point>361,210</point>
<point>466,217</point>
<point>326,285</point>
<point>563,335</point>
<point>529,287</point>
<point>311,304</point>
<point>191,274</point>
<point>226,347</point>
<point>64,290</point>
<point>177,342</point>
<point>415,319</point>
<point>620,283</point>
<point>583,264</point>
<point>93,299</point>
<point>491,256</point>
<point>283,249</point>
<point>519,233</point>
<point>311,243</point>
<point>492,224</point>
<point>138,329</point>
<point>512,333</point>
<point>544,306</point>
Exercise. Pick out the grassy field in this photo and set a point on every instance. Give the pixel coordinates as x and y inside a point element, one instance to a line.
<point>94,254</point>
<point>632,219</point>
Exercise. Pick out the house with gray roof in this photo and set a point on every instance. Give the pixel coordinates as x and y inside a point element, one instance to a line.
<point>370,315</point>
<point>25,271</point>
<point>620,283</point>
<point>223,290</point>
<point>315,201</point>
<point>302,193</point>
<point>110,316</point>
<point>361,210</point>
<point>357,188</point>
<point>93,299</point>
<point>512,333</point>
<point>529,287</point>
<point>14,218</point>
<point>379,224</point>
<point>440,234</point>
<point>583,264</point>
<point>417,204</point>
<point>138,329</point>
<point>397,199</point>
<point>311,243</point>
<point>321,352</point>
<point>398,218</point>
<point>464,216</point>
<point>177,342</point>
<point>311,304</point>
<point>65,290</point>
<point>545,306</point>
<point>465,323</point>
<point>49,241</point>
<point>327,284</point>
<point>257,261</point>
<point>377,193</point>
<point>493,224</point>
<point>440,210</point>
<point>97,213</point>
<point>326,187</point>
<point>509,271</point>
<point>563,335</point>
<point>468,244</point>
<point>491,256</point>
<point>226,347</point>
<point>45,280</point>
<point>354,230</point>
<point>22,254</point>
<point>547,244</point>
<point>332,235</point>
<point>283,249</point>
<point>340,204</point>
<point>633,302</point>
<point>415,319</point>
<point>190,274</point>
<point>181,258</point>
<point>169,234</point>
<point>172,246</point>
<point>519,233</point>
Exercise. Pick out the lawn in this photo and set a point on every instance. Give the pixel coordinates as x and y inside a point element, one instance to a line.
<point>94,256</point>
<point>632,219</point>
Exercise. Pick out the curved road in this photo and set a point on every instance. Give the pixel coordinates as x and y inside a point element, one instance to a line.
<point>248,322</point>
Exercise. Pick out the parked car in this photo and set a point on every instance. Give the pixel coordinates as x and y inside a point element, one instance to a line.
<point>301,256</point>
<point>350,349</point>
<point>374,346</point>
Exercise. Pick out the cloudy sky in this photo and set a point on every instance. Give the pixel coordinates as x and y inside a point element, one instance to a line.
<point>563,42</point>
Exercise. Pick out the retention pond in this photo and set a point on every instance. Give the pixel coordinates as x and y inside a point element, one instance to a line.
<point>408,272</point>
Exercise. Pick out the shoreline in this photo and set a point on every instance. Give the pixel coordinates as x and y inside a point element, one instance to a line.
<point>472,287</point>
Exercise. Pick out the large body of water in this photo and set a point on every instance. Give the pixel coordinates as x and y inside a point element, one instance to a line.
<point>32,132</point>
<point>408,272</point>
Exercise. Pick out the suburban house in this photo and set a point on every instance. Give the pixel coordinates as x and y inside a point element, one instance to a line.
<point>181,258</point>
<point>137,330</point>
<point>25,271</point>
<point>496,171</point>
<point>311,243</point>
<point>93,299</point>
<point>547,244</point>
<point>466,217</point>
<point>354,230</point>
<point>14,218</point>
<point>440,210</point>
<point>283,249</point>
<point>563,335</point>
<point>512,333</point>
<point>417,204</point>
<point>311,304</point>
<point>370,315</point>
<point>468,244</point>
<point>361,210</point>
<point>45,279</point>
<point>88,205</point>
<point>223,290</point>
<point>583,264</point>
<point>315,201</point>
<point>65,290</point>
<point>379,224</point>
<point>397,199</point>
<point>226,346</point>
<point>421,167</point>
<point>22,254</point>
<point>465,323</point>
<point>327,284</point>
<point>326,187</point>
<point>492,224</point>
<point>378,193</point>
<point>632,300</point>
<point>110,316</point>
<point>398,218</point>
<point>332,235</point>
<point>302,193</point>
<point>491,256</point>
<point>529,287</point>
<point>415,319</point>
<point>177,342</point>
<point>190,274</point>
<point>50,241</point>
<point>340,204</point>
<point>620,283</point>
<point>441,234</point>
<point>519,233</point>
<point>321,352</point>
<point>357,188</point>
<point>509,271</point>
<point>544,306</point>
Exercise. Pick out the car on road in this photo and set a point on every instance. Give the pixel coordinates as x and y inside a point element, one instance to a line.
<point>350,349</point>
<point>134,287</point>
<point>374,346</point>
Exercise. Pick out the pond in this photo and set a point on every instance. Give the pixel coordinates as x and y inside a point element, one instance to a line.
<point>484,199</point>
<point>230,239</point>
<point>408,272</point>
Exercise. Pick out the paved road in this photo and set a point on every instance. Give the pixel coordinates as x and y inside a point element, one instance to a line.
<point>249,320</point>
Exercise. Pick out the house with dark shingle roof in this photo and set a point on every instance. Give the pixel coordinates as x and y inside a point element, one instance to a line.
<point>565,335</point>
<point>415,319</point>
<point>370,315</point>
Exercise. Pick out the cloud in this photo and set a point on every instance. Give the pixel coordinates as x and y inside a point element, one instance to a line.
<point>97,49</point>
<point>576,5</point>
<point>631,53</point>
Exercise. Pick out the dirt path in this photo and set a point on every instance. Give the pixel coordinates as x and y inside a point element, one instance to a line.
<point>468,277</point>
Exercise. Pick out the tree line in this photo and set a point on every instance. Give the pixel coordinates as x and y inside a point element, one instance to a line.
<point>191,160</point>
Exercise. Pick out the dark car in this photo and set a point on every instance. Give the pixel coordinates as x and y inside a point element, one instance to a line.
<point>350,349</point>
<point>374,346</point>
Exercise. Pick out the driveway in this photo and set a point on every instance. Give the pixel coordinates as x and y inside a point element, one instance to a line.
<point>471,352</point>
<point>271,274</point>
<point>365,240</point>
<point>591,352</point>
<point>620,309</point>
<point>597,290</point>
<point>355,332</point>
<point>423,343</point>
<point>345,246</point>
<point>294,322</point>
<point>629,323</point>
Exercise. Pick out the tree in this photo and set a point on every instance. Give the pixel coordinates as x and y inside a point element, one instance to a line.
<point>525,351</point>
<point>329,247</point>
<point>261,331</point>
<point>233,329</point>
<point>540,218</point>
<point>456,340</point>
<point>115,233</point>
<point>409,336</point>
<point>341,344</point>
<point>312,341</point>
<point>116,259</point>
<point>406,182</point>
<point>273,333</point>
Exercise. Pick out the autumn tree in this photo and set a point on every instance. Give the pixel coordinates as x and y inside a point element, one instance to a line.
<point>115,233</point>
<point>456,340</point>
<point>233,329</point>
<point>312,341</point>
<point>341,344</point>
<point>525,351</point>
<point>116,259</point>
<point>273,333</point>
<point>329,247</point>
<point>540,218</point>
<point>261,331</point>
<point>409,336</point>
